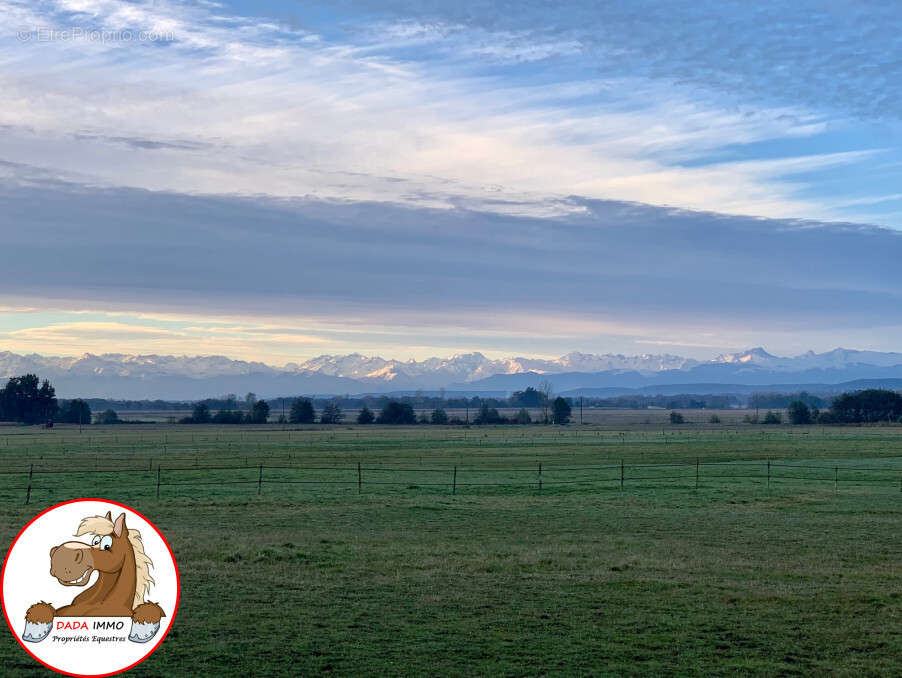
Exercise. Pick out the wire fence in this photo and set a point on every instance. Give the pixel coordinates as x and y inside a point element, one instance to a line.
<point>157,480</point>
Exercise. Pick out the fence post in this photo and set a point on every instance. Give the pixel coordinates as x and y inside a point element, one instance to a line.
<point>260,480</point>
<point>540,476</point>
<point>621,474</point>
<point>768,474</point>
<point>28,491</point>
<point>454,482</point>
<point>159,468</point>
<point>359,479</point>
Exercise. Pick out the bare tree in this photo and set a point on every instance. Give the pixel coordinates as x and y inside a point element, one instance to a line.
<point>546,390</point>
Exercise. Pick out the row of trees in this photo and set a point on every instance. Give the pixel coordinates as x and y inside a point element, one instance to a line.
<point>393,412</point>
<point>862,407</point>
<point>257,414</point>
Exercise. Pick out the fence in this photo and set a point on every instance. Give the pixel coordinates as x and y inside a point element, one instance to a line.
<point>451,479</point>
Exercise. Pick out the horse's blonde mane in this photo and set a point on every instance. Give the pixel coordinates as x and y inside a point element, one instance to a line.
<point>103,526</point>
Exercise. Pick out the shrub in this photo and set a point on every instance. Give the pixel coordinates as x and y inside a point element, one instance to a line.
<point>332,414</point>
<point>397,413</point>
<point>799,413</point>
<point>108,417</point>
<point>676,418</point>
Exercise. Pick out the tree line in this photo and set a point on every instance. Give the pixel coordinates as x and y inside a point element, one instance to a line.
<point>30,400</point>
<point>304,411</point>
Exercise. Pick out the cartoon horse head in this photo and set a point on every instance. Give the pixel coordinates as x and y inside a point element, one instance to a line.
<point>116,553</point>
<point>112,553</point>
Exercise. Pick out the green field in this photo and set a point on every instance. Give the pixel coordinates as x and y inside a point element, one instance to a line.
<point>649,549</point>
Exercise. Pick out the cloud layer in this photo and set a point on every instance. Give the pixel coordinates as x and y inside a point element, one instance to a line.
<point>332,269</point>
<point>420,178</point>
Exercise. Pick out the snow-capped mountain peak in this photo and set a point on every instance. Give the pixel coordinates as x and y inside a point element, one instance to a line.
<point>122,375</point>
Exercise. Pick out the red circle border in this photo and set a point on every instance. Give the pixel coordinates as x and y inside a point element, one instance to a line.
<point>178,588</point>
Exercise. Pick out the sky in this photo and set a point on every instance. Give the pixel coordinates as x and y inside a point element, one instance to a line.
<point>275,180</point>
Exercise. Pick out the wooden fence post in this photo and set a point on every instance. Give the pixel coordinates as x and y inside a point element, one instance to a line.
<point>260,480</point>
<point>454,482</point>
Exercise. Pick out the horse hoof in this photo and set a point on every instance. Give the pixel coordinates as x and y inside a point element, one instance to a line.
<point>35,632</point>
<point>142,632</point>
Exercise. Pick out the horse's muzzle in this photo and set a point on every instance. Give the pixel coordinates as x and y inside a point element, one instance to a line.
<point>72,563</point>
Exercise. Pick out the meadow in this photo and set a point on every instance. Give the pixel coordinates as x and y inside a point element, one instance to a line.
<point>639,549</point>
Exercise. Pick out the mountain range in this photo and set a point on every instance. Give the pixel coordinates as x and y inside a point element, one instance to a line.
<point>116,375</point>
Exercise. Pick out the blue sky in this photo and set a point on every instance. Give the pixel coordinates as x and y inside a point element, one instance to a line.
<point>278,180</point>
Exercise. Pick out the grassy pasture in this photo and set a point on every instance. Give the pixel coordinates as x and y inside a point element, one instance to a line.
<point>311,576</point>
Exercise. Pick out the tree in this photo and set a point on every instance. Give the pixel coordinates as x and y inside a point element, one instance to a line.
<point>866,406</point>
<point>488,415</point>
<point>528,398</point>
<point>228,417</point>
<point>772,417</point>
<point>366,416</point>
<point>332,414</point>
<point>302,412</point>
<point>676,418</point>
<point>522,417</point>
<point>439,416</point>
<point>259,414</point>
<point>714,419</point>
<point>560,411</point>
<point>28,400</point>
<point>545,389</point>
<point>201,414</point>
<point>76,411</point>
<point>397,413</point>
<point>799,413</point>
<point>108,417</point>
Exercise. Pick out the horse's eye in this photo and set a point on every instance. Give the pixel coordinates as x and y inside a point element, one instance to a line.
<point>95,541</point>
<point>106,543</point>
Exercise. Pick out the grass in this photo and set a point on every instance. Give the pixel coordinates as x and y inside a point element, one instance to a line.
<point>734,578</point>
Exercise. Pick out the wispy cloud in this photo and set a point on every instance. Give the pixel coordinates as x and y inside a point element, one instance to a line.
<point>237,106</point>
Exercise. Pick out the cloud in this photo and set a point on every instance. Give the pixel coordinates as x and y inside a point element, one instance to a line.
<point>376,272</point>
<point>235,105</point>
<point>840,56</point>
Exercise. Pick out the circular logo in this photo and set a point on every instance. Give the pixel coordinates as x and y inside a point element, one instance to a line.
<point>90,588</point>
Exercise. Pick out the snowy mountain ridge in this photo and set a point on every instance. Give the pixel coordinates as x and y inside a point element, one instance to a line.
<point>167,376</point>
